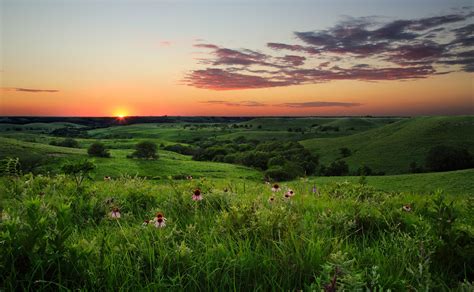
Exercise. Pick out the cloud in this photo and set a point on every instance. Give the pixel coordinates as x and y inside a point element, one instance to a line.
<point>247,103</point>
<point>297,48</point>
<point>165,43</point>
<point>319,104</point>
<point>309,104</point>
<point>362,48</point>
<point>219,79</point>
<point>31,90</point>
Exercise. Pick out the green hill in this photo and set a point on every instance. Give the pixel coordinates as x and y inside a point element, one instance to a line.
<point>393,147</point>
<point>42,158</point>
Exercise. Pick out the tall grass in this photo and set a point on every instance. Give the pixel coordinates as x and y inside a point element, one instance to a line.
<point>346,237</point>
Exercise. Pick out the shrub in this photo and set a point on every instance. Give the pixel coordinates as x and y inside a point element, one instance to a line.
<point>444,158</point>
<point>68,142</point>
<point>98,150</point>
<point>145,150</point>
<point>79,170</point>
<point>337,168</point>
<point>345,152</point>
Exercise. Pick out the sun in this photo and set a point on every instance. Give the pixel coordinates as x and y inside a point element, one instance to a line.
<point>121,115</point>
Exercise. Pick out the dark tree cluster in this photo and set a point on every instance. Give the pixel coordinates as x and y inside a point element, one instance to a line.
<point>98,150</point>
<point>279,160</point>
<point>145,150</point>
<point>445,158</point>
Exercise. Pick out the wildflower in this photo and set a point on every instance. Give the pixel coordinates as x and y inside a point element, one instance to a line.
<point>314,190</point>
<point>189,177</point>
<point>145,223</point>
<point>115,213</point>
<point>275,188</point>
<point>407,208</point>
<point>107,178</point>
<point>271,199</point>
<point>197,195</point>
<point>226,190</point>
<point>160,220</point>
<point>290,193</point>
<point>287,196</point>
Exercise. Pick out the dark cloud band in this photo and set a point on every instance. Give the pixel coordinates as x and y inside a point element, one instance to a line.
<point>354,49</point>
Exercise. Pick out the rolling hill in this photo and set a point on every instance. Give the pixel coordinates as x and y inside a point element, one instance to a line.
<point>393,147</point>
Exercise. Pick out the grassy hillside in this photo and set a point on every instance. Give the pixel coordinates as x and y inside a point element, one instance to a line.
<point>280,124</point>
<point>393,147</point>
<point>43,158</point>
<point>459,182</point>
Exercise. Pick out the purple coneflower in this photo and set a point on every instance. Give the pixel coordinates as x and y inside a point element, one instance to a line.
<point>271,199</point>
<point>106,178</point>
<point>275,188</point>
<point>115,213</point>
<point>314,190</point>
<point>407,208</point>
<point>197,195</point>
<point>290,193</point>
<point>145,222</point>
<point>160,220</point>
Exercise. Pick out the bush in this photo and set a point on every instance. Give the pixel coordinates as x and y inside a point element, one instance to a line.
<point>337,168</point>
<point>145,150</point>
<point>98,150</point>
<point>444,158</point>
<point>345,152</point>
<point>68,142</point>
<point>79,170</point>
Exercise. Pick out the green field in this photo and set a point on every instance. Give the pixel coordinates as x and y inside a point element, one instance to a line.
<point>352,234</point>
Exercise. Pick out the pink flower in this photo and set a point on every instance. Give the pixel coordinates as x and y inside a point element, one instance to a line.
<point>115,213</point>
<point>275,188</point>
<point>407,208</point>
<point>106,178</point>
<point>160,220</point>
<point>290,193</point>
<point>197,196</point>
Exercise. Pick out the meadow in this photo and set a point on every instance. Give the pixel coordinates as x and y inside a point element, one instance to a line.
<point>400,231</point>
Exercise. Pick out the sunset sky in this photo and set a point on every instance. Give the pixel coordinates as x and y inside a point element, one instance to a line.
<point>236,58</point>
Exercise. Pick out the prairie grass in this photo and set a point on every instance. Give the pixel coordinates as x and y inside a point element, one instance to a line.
<point>346,236</point>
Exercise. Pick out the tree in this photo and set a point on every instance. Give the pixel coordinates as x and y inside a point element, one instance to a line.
<point>337,168</point>
<point>98,150</point>
<point>444,158</point>
<point>78,170</point>
<point>345,152</point>
<point>145,150</point>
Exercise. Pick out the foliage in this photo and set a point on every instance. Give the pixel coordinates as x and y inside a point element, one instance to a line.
<point>11,167</point>
<point>336,168</point>
<point>79,171</point>
<point>443,158</point>
<point>345,152</point>
<point>279,160</point>
<point>98,150</point>
<point>349,237</point>
<point>68,142</point>
<point>145,150</point>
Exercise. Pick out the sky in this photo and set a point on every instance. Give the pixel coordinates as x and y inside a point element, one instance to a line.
<point>236,58</point>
